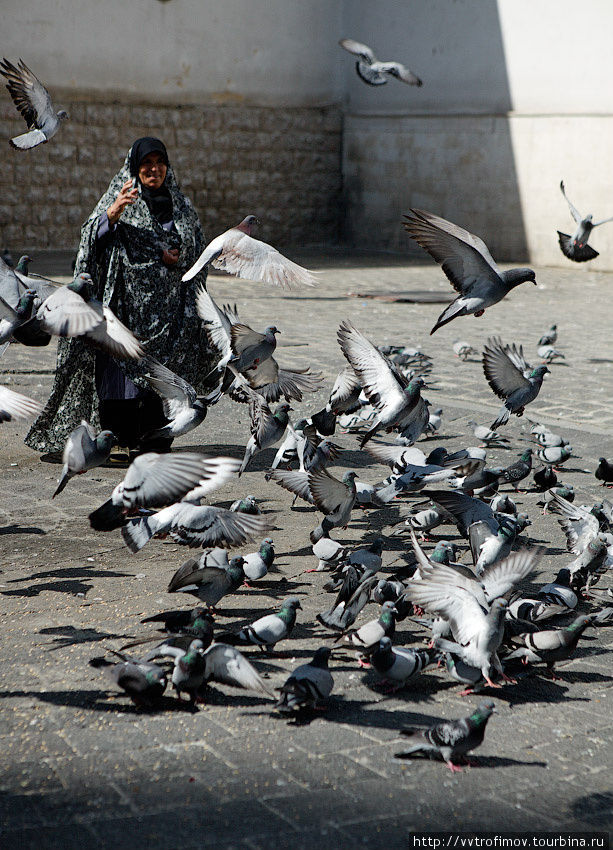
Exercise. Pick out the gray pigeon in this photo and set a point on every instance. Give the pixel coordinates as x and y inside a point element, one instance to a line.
<point>251,348</point>
<point>575,247</point>
<point>451,739</point>
<point>267,427</point>
<point>330,553</point>
<point>343,398</point>
<point>463,350</point>
<point>34,103</point>
<point>367,637</point>
<point>372,71</point>
<point>334,498</point>
<point>559,590</point>
<point>267,631</point>
<point>195,526</point>
<point>143,681</point>
<point>509,382</point>
<point>550,646</point>
<point>486,435</point>
<point>209,583</point>
<point>183,408</point>
<point>258,563</point>
<point>468,264</point>
<point>308,686</point>
<point>153,480</point>
<point>550,336</point>
<point>238,253</point>
<point>83,450</point>
<point>397,665</point>
<point>392,396</point>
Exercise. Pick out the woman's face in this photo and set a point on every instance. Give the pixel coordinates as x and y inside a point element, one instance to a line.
<point>152,170</point>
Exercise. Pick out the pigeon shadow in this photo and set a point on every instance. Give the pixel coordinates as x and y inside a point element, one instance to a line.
<point>102,701</point>
<point>73,588</point>
<point>21,529</point>
<point>594,808</point>
<point>69,635</point>
<point>75,585</point>
<point>475,761</point>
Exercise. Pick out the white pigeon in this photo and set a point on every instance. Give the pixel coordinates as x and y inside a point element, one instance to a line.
<point>16,406</point>
<point>374,72</point>
<point>34,103</point>
<point>238,253</point>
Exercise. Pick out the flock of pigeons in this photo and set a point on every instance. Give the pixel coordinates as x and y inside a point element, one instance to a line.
<point>479,624</point>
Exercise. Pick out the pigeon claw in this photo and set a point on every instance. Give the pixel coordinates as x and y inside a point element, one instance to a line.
<point>454,768</point>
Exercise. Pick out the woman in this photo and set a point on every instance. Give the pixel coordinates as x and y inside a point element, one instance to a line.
<point>141,237</point>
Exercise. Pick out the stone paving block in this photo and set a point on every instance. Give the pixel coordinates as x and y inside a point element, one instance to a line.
<point>69,837</point>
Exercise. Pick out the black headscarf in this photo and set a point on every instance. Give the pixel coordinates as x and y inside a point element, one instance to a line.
<point>158,200</point>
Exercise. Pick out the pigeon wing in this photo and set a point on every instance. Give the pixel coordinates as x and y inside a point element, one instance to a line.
<point>16,406</point>
<point>500,577</point>
<point>573,209</point>
<point>28,93</point>
<point>461,255</point>
<point>252,259</point>
<point>216,322</point>
<point>328,492</point>
<point>379,378</point>
<point>154,480</point>
<point>168,384</point>
<point>227,665</point>
<point>501,373</point>
<point>365,53</point>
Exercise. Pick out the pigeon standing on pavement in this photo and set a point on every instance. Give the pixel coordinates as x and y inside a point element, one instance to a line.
<point>84,449</point>
<point>397,665</point>
<point>238,253</point>
<point>451,739</point>
<point>463,350</point>
<point>575,247</point>
<point>468,264</point>
<point>308,686</point>
<point>509,382</point>
<point>549,337</point>
<point>267,631</point>
<point>34,103</point>
<point>552,645</point>
<point>516,472</point>
<point>372,71</point>
<point>604,472</point>
<point>487,436</point>
<point>258,563</point>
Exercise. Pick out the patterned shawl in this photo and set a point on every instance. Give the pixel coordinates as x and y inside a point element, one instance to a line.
<point>146,295</point>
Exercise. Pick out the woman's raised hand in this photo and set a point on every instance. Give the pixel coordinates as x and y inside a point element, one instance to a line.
<point>127,196</point>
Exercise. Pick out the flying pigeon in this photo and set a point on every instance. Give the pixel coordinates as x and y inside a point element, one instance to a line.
<point>83,450</point>
<point>372,71</point>
<point>267,631</point>
<point>575,247</point>
<point>181,404</point>
<point>34,103</point>
<point>451,739</point>
<point>14,405</point>
<point>238,253</point>
<point>468,264</point>
<point>308,686</point>
<point>334,498</point>
<point>267,427</point>
<point>508,382</point>
<point>143,681</point>
<point>393,397</point>
<point>153,480</point>
<point>343,398</point>
<point>194,526</point>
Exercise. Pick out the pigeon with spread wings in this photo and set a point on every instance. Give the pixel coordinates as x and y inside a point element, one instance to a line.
<point>34,103</point>
<point>509,381</point>
<point>238,253</point>
<point>468,264</point>
<point>374,72</point>
<point>575,247</point>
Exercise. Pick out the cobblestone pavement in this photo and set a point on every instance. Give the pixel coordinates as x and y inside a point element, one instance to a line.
<point>81,767</point>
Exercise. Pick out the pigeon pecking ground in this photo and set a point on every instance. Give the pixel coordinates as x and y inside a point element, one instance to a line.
<point>80,765</point>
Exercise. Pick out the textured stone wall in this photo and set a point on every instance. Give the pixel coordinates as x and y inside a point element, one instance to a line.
<point>281,164</point>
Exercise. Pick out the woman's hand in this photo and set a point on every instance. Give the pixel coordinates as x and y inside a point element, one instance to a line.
<point>127,196</point>
<point>170,257</point>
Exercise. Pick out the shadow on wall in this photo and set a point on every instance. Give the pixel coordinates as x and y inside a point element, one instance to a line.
<point>445,147</point>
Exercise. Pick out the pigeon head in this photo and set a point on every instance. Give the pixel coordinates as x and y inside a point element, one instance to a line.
<point>349,478</point>
<point>105,441</point>
<point>196,646</point>
<point>272,330</point>
<point>563,577</point>
<point>389,608</point>
<point>63,115</point>
<point>484,710</point>
<point>22,265</point>
<point>385,644</point>
<point>526,455</point>
<point>416,384</point>
<point>26,301</point>
<point>539,372</point>
<point>320,659</point>
<point>81,284</point>
<point>247,224</point>
<point>376,547</point>
<point>293,602</point>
